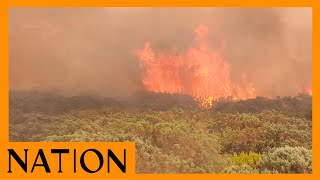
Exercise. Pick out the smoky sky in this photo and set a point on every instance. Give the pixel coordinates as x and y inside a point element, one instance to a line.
<point>91,50</point>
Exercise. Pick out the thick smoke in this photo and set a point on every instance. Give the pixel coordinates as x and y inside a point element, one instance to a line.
<point>91,50</point>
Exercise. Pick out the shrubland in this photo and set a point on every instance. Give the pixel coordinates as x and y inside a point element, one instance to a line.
<point>172,133</point>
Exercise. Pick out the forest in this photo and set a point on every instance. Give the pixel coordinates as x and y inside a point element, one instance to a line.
<point>173,134</point>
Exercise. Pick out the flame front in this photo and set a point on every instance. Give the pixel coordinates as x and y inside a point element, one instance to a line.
<point>200,72</point>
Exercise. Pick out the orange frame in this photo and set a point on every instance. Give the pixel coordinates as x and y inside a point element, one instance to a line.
<point>4,80</point>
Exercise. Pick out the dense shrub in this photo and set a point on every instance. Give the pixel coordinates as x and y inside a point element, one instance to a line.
<point>286,160</point>
<point>239,169</point>
<point>259,132</point>
<point>250,159</point>
<point>298,106</point>
<point>172,134</point>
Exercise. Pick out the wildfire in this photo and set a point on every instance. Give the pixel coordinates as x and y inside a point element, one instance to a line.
<point>200,72</point>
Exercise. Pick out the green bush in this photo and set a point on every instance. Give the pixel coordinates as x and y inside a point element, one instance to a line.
<point>250,159</point>
<point>287,160</point>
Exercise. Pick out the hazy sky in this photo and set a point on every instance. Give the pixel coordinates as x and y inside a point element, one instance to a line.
<point>91,50</point>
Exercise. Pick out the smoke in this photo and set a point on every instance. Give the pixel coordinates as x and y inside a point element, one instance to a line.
<point>91,50</point>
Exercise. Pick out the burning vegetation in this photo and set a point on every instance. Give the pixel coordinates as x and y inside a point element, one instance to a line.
<point>201,72</point>
<point>207,53</point>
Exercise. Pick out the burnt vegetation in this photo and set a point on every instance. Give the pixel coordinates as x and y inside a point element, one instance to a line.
<point>172,133</point>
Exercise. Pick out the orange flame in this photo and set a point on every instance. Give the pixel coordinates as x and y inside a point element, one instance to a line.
<point>200,72</point>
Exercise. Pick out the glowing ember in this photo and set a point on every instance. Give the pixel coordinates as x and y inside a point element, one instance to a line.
<point>200,72</point>
<point>307,90</point>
